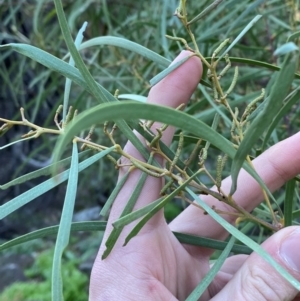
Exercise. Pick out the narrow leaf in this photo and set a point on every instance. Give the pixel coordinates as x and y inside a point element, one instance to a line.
<point>66,70</point>
<point>207,10</point>
<point>40,189</point>
<point>101,226</point>
<point>259,125</point>
<point>289,202</point>
<point>114,235</point>
<point>129,45</point>
<point>97,90</point>
<point>78,41</point>
<point>251,62</point>
<point>129,218</point>
<point>53,230</point>
<point>53,63</point>
<point>63,235</point>
<point>214,127</point>
<point>252,22</point>
<point>105,210</point>
<point>158,207</point>
<point>246,12</point>
<point>124,110</point>
<point>45,171</point>
<point>293,36</point>
<point>14,142</point>
<point>281,114</point>
<point>210,243</point>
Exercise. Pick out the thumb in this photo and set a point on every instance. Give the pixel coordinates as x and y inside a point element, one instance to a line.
<point>258,280</point>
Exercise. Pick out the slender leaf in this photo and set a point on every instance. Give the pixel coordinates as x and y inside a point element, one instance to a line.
<point>53,230</point>
<point>129,218</point>
<point>255,63</point>
<point>215,108</point>
<point>100,226</point>
<point>281,114</point>
<point>214,127</point>
<point>293,36</point>
<point>66,70</point>
<point>14,142</point>
<point>126,110</point>
<point>45,171</point>
<point>251,24</point>
<point>95,88</point>
<point>114,111</point>
<point>207,10</point>
<point>289,202</point>
<point>105,210</point>
<point>259,125</point>
<point>279,22</point>
<point>129,45</point>
<point>78,41</point>
<point>210,243</point>
<point>53,63</point>
<point>244,14</point>
<point>115,233</point>
<point>156,208</point>
<point>246,240</point>
<point>40,189</point>
<point>50,61</point>
<point>63,235</point>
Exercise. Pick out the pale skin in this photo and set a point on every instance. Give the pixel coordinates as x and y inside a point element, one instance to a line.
<point>156,266</point>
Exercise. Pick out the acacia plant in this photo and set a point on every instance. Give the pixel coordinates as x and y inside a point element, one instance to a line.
<point>241,125</point>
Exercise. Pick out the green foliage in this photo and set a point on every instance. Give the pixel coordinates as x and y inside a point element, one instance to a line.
<point>38,286</point>
<point>235,112</point>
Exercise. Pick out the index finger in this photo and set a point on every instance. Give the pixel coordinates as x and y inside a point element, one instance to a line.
<point>175,89</point>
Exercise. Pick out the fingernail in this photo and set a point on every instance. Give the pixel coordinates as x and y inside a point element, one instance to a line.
<point>289,250</point>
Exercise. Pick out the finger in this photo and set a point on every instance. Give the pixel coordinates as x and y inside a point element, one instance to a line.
<point>175,89</point>
<point>228,270</point>
<point>258,280</point>
<point>275,166</point>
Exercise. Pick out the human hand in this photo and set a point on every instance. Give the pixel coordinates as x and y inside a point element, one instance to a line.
<point>156,266</point>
